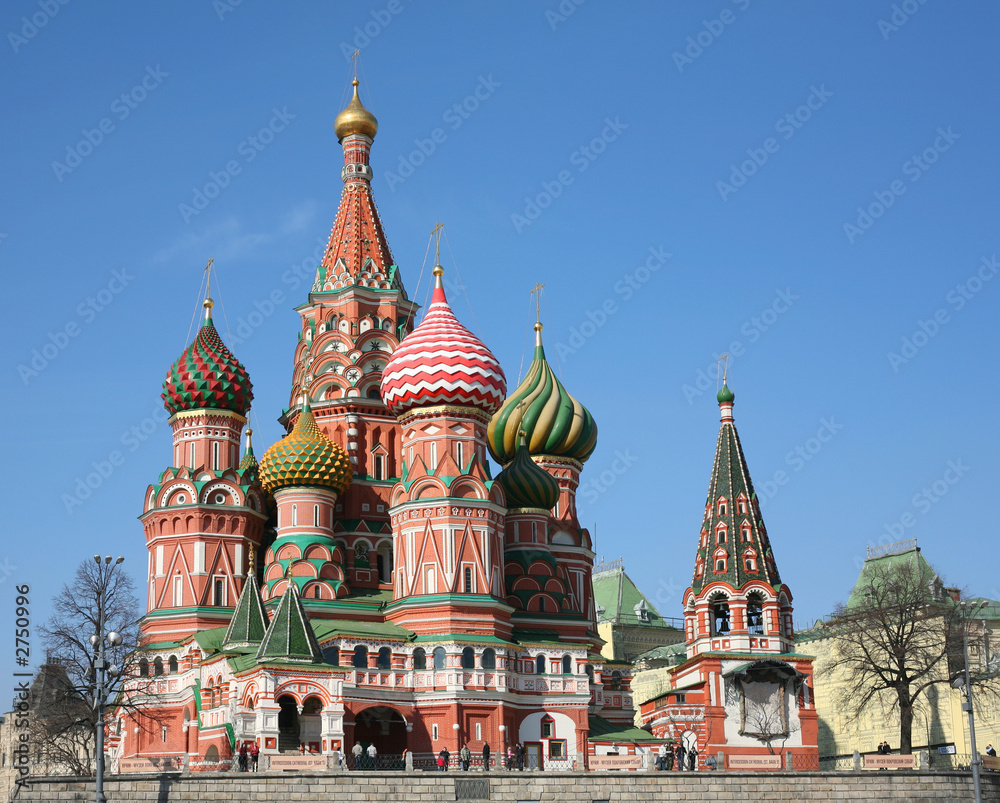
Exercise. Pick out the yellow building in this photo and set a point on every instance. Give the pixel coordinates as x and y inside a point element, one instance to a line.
<point>939,724</point>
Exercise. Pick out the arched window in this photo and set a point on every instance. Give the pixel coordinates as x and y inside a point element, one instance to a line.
<point>439,658</point>
<point>332,655</point>
<point>419,658</point>
<point>720,618</point>
<point>468,658</point>
<point>567,665</point>
<point>589,669</point>
<point>360,657</point>
<point>384,658</point>
<point>489,658</point>
<point>720,535</point>
<point>158,666</point>
<point>374,394</point>
<point>143,668</point>
<point>755,614</point>
<point>540,665</point>
<point>616,681</point>
<point>172,665</point>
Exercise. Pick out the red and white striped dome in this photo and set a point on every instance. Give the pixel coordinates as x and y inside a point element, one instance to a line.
<point>442,362</point>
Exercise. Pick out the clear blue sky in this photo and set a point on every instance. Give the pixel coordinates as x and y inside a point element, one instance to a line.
<point>678,175</point>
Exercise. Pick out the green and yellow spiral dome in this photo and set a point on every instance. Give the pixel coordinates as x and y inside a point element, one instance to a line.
<point>527,484</point>
<point>305,456</point>
<point>556,424</point>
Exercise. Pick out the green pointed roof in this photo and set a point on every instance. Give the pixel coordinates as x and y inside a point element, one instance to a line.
<point>556,424</point>
<point>290,636</point>
<point>248,462</point>
<point>249,622</point>
<point>883,561</point>
<point>731,481</point>
<point>622,601</point>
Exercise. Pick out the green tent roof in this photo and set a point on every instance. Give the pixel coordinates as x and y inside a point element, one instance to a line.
<point>290,635</point>
<point>623,602</point>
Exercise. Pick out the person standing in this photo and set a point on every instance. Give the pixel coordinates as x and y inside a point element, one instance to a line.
<point>465,756</point>
<point>372,752</point>
<point>357,751</point>
<point>486,756</point>
<point>521,754</point>
<point>681,756</point>
<point>243,757</point>
<point>447,757</point>
<point>661,758</point>
<point>669,765</point>
<point>254,756</point>
<point>693,759</point>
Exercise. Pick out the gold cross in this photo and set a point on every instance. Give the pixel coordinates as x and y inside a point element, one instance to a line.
<point>723,366</point>
<point>437,245</point>
<point>537,293</point>
<point>354,59</point>
<point>208,270</point>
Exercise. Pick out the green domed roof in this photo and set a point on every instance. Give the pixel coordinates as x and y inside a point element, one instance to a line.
<point>725,396</point>
<point>207,375</point>
<point>527,484</point>
<point>556,424</point>
<point>305,456</point>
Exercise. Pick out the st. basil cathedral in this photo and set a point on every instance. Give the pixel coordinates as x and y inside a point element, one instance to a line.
<point>369,580</point>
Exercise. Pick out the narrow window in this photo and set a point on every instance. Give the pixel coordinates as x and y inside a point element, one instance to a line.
<point>295,515</point>
<point>479,731</point>
<point>720,565</point>
<point>468,580</point>
<point>489,659</point>
<point>360,657</point>
<point>439,658</point>
<point>178,591</point>
<point>191,455</point>
<point>434,732</point>
<point>540,665</point>
<point>720,537</point>
<point>384,658</point>
<point>220,591</point>
<point>548,727</point>
<point>541,604</point>
<point>163,734</point>
<point>459,454</point>
<point>567,665</point>
<point>315,515</point>
<point>468,658</point>
<point>723,508</point>
<point>172,665</point>
<point>434,456</point>
<point>419,658</point>
<point>215,455</point>
<point>378,467</point>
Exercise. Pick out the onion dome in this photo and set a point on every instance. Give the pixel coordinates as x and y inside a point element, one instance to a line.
<point>556,424</point>
<point>442,362</point>
<point>725,396</point>
<point>305,456</point>
<point>355,119</point>
<point>527,484</point>
<point>207,375</point>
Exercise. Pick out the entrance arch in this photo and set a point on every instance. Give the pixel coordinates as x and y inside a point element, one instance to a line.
<point>385,728</point>
<point>288,725</point>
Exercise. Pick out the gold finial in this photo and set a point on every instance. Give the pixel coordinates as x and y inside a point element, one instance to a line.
<point>355,118</point>
<point>252,553</point>
<point>249,439</point>
<point>536,291</point>
<point>354,59</point>
<point>208,303</point>
<point>723,366</point>
<point>438,271</point>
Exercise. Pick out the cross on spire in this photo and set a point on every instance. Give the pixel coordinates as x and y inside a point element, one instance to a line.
<point>536,291</point>
<point>723,363</point>
<point>436,232</point>
<point>354,61</point>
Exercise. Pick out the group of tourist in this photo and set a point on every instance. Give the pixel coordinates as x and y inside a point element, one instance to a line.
<point>514,758</point>
<point>683,759</point>
<point>364,758</point>
<point>248,757</point>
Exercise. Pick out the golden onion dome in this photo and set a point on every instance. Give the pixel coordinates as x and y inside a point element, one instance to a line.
<point>355,119</point>
<point>305,456</point>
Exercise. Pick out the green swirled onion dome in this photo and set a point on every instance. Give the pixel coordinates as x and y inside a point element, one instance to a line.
<point>527,484</point>
<point>305,456</point>
<point>207,375</point>
<point>725,396</point>
<point>556,424</point>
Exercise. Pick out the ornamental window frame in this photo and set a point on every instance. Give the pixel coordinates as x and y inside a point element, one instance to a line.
<point>722,506</point>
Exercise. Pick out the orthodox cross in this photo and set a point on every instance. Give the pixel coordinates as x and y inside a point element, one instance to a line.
<point>536,291</point>
<point>437,245</point>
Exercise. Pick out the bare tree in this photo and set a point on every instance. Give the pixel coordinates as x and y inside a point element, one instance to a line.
<point>64,727</point>
<point>765,716</point>
<point>899,635</point>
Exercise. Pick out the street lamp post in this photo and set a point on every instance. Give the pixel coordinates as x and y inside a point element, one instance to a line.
<point>966,683</point>
<point>103,671</point>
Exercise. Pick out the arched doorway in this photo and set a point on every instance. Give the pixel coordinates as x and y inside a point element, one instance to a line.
<point>311,724</point>
<point>288,725</point>
<point>385,728</point>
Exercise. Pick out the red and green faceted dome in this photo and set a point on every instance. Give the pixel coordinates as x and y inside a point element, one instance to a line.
<point>306,456</point>
<point>207,376</point>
